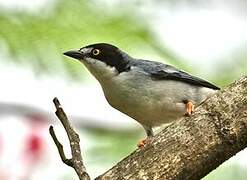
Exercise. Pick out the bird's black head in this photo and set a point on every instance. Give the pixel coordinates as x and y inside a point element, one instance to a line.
<point>107,53</point>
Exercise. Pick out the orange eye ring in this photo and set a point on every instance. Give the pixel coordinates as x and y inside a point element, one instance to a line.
<point>96,52</point>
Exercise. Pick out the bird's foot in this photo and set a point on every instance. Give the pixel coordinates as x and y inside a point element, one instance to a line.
<point>189,107</point>
<point>142,143</point>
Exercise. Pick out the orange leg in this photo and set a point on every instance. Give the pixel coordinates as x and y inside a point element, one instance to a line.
<point>150,134</point>
<point>142,143</point>
<point>189,107</point>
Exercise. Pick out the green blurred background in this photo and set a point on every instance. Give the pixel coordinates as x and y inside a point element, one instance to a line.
<point>207,39</point>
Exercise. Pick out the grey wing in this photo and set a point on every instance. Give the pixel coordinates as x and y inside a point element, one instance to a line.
<point>161,71</point>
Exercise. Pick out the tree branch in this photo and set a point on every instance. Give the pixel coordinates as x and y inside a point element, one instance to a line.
<point>192,147</point>
<point>76,160</point>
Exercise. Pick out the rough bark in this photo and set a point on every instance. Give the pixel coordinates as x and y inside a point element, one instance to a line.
<point>193,146</point>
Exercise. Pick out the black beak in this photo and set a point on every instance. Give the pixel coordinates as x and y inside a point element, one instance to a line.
<point>74,54</point>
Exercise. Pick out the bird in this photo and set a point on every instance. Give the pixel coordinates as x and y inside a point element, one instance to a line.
<point>150,92</point>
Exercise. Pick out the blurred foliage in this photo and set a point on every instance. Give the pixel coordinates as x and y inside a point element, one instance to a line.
<point>38,40</point>
<point>111,146</point>
<point>233,66</point>
<point>228,171</point>
<point>108,147</point>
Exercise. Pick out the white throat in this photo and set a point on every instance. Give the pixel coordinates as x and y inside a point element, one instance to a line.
<point>100,70</point>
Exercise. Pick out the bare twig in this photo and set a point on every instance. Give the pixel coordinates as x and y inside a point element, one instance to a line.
<point>76,160</point>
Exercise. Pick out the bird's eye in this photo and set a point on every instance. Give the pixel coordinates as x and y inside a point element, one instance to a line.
<point>96,52</point>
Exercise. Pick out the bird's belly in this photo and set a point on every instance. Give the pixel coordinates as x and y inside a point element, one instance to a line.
<point>146,109</point>
<point>151,103</point>
<point>153,113</point>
